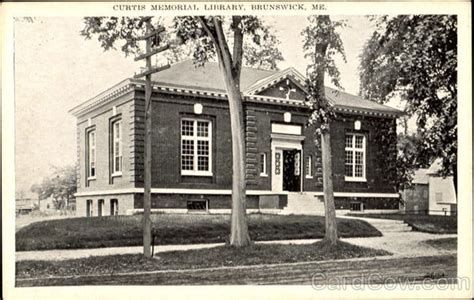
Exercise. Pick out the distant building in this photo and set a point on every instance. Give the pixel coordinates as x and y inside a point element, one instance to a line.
<point>191,146</point>
<point>46,204</point>
<point>25,205</point>
<point>417,198</point>
<point>442,196</point>
<point>430,194</point>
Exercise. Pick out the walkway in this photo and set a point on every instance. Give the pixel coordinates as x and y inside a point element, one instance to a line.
<point>401,244</point>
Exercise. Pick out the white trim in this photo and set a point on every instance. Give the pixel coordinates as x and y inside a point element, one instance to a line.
<point>195,138</point>
<point>354,150</point>
<point>355,179</point>
<point>263,172</point>
<point>287,129</point>
<point>273,79</point>
<point>308,163</point>
<point>117,124</point>
<point>365,195</point>
<point>91,153</point>
<point>229,192</point>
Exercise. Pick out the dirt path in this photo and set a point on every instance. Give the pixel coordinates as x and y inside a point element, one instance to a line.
<point>358,271</point>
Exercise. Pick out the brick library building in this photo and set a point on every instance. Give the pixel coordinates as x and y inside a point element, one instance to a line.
<point>192,154</point>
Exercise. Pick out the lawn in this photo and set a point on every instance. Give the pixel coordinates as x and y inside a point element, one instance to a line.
<point>444,244</point>
<point>169,229</point>
<point>222,256</point>
<point>423,223</point>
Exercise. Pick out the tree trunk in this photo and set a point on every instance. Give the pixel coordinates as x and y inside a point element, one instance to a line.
<point>330,210</point>
<point>147,158</point>
<point>239,235</point>
<point>455,179</point>
<point>230,68</point>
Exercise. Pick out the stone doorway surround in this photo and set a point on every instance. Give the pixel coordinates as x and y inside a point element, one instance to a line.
<point>284,137</point>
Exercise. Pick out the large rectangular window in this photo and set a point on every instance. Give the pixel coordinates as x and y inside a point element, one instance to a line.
<point>196,147</point>
<point>117,148</point>
<point>91,155</point>
<point>355,153</point>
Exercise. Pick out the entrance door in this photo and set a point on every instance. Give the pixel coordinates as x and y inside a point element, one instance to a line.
<point>292,170</point>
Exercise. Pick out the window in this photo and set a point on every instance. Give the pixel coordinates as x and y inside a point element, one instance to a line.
<point>89,211</point>
<point>114,209</point>
<point>196,145</point>
<point>198,205</point>
<point>309,161</point>
<point>439,197</point>
<point>100,207</point>
<point>91,154</point>
<point>263,164</point>
<point>355,157</point>
<point>117,148</point>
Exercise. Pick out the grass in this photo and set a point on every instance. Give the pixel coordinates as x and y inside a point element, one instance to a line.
<point>443,244</point>
<point>222,256</point>
<point>116,231</point>
<point>423,223</point>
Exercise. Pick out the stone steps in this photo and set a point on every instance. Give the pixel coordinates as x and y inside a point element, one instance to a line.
<point>385,225</point>
<point>303,204</point>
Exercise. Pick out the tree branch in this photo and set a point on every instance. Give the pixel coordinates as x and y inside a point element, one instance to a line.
<point>222,44</point>
<point>208,30</point>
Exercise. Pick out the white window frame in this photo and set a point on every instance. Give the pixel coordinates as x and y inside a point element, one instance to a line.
<point>196,138</point>
<point>116,139</point>
<point>263,162</point>
<point>91,154</point>
<point>308,167</point>
<point>353,149</point>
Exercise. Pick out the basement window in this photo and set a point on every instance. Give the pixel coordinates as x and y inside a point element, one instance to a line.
<point>198,205</point>
<point>357,206</point>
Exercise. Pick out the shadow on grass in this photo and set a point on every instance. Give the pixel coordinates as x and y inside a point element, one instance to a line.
<point>222,256</point>
<point>169,229</point>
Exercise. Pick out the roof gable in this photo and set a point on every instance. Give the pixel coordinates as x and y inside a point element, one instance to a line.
<point>286,88</point>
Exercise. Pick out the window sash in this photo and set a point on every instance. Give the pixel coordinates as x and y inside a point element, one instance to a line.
<point>117,148</point>
<point>308,167</point>
<point>355,157</point>
<point>263,164</point>
<point>196,147</point>
<point>91,140</point>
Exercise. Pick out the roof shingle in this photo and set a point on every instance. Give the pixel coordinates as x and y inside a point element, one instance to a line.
<point>186,75</point>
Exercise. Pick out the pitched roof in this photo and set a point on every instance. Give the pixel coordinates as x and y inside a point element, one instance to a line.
<point>208,77</point>
<point>421,176</point>
<point>435,167</point>
<point>345,100</point>
<point>185,74</point>
<point>193,79</point>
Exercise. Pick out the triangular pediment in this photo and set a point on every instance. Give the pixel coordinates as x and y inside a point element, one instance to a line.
<point>287,84</point>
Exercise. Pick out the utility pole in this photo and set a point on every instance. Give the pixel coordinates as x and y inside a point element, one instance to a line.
<point>152,39</point>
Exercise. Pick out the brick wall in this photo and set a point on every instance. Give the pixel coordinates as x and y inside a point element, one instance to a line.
<point>168,110</point>
<point>100,120</point>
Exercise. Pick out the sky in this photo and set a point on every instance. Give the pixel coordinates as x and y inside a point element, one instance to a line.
<point>57,69</point>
